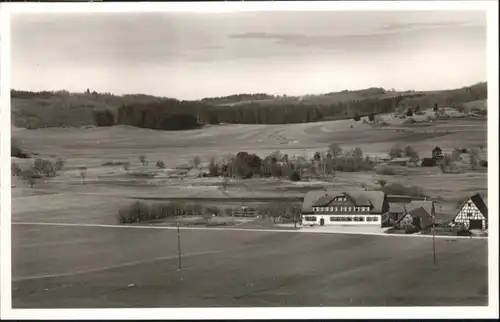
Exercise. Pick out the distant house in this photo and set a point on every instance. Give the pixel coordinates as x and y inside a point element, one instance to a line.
<point>327,207</point>
<point>420,214</point>
<point>473,214</point>
<point>396,210</point>
<point>399,161</point>
<point>397,205</point>
<point>428,162</point>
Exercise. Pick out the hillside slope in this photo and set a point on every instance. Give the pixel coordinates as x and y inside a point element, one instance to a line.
<point>63,109</point>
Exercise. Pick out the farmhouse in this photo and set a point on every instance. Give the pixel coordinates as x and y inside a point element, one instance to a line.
<point>399,161</point>
<point>473,214</point>
<point>327,207</point>
<point>420,214</point>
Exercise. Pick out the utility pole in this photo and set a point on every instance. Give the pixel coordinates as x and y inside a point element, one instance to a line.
<point>179,248</point>
<point>433,232</point>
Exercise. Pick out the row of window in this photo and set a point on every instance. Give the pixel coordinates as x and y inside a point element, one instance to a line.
<point>332,209</point>
<point>374,218</point>
<point>337,218</point>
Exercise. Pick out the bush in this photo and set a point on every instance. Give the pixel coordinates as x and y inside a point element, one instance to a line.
<point>396,152</point>
<point>483,163</point>
<point>160,164</point>
<point>44,167</point>
<point>409,112</point>
<point>295,175</point>
<point>411,229</point>
<point>136,212</point>
<point>356,117</point>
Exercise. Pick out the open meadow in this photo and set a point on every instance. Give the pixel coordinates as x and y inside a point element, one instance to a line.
<point>81,266</point>
<point>84,267</point>
<point>108,185</point>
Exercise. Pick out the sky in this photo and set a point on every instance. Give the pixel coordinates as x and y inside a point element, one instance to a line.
<point>195,55</point>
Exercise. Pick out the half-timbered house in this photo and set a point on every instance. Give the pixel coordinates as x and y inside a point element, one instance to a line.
<point>473,214</point>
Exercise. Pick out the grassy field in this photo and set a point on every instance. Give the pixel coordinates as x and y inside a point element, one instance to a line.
<point>78,267</point>
<point>93,267</point>
<point>108,186</point>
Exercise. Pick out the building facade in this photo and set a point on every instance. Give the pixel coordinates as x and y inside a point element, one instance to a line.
<point>343,208</point>
<point>473,214</point>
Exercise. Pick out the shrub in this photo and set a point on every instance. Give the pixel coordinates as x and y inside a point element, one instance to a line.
<point>160,164</point>
<point>483,163</point>
<point>143,160</point>
<point>409,112</point>
<point>295,175</point>
<point>136,212</point>
<point>371,117</point>
<point>411,229</point>
<point>356,117</point>
<point>44,167</point>
<point>396,152</point>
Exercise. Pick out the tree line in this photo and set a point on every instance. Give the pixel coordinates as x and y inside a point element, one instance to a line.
<point>172,114</point>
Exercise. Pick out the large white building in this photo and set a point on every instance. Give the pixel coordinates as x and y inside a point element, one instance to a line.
<point>327,207</point>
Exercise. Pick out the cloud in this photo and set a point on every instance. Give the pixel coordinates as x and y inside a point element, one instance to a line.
<point>390,37</point>
<point>419,25</point>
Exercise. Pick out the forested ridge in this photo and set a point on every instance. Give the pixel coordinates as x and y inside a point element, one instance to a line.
<point>61,108</point>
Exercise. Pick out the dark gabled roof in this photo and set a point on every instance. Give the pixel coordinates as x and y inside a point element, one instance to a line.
<point>361,198</point>
<point>425,204</point>
<point>418,212</point>
<point>479,202</point>
<point>396,208</point>
<point>323,201</point>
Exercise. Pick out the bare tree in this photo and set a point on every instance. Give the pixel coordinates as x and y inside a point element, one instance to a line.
<point>15,169</point>
<point>29,176</point>
<point>382,183</point>
<point>83,173</point>
<point>335,150</point>
<point>455,154</point>
<point>225,181</point>
<point>59,164</point>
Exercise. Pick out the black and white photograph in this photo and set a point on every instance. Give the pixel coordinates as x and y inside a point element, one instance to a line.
<point>260,158</point>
